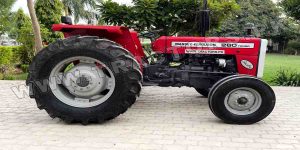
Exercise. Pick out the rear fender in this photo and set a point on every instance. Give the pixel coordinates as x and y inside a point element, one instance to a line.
<point>121,35</point>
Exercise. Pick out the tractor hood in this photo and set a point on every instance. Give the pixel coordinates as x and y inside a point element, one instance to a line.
<point>207,45</point>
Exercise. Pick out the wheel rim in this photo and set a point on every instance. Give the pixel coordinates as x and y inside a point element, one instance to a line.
<point>243,101</point>
<point>82,82</point>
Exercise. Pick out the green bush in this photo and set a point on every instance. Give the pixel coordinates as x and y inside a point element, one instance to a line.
<point>16,58</point>
<point>6,54</point>
<point>8,77</point>
<point>24,68</point>
<point>13,76</point>
<point>22,76</point>
<point>9,54</point>
<point>6,57</point>
<point>16,54</point>
<point>287,78</point>
<point>25,54</point>
<point>26,51</point>
<point>293,47</point>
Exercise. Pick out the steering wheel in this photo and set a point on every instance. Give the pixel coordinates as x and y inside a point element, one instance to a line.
<point>152,34</point>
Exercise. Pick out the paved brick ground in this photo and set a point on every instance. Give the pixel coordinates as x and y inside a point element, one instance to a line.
<point>162,118</point>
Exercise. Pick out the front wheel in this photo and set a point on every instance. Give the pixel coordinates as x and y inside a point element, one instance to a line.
<point>242,100</point>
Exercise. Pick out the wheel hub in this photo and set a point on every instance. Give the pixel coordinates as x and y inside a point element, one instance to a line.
<point>82,81</point>
<point>243,101</point>
<point>85,80</point>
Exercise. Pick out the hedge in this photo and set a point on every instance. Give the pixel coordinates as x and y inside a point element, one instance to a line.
<point>293,47</point>
<point>8,57</point>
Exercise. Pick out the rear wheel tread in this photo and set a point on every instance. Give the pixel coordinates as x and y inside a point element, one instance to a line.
<point>134,82</point>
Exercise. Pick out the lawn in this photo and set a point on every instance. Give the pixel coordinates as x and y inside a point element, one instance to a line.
<point>22,76</point>
<point>275,62</point>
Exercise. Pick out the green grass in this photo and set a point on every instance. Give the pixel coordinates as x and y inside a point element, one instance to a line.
<point>22,76</point>
<point>275,62</point>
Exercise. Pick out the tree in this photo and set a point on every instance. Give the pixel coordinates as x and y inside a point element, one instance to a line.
<point>27,39</point>
<point>19,19</point>
<point>265,16</point>
<point>35,26</point>
<point>292,7</point>
<point>49,12</point>
<point>288,31</point>
<point>5,7</point>
<point>22,31</point>
<point>172,16</point>
<point>80,9</point>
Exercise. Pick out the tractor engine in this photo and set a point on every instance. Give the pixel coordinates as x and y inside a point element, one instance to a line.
<point>199,71</point>
<point>200,62</point>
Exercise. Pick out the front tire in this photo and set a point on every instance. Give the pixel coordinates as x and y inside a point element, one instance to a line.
<point>115,92</point>
<point>242,100</point>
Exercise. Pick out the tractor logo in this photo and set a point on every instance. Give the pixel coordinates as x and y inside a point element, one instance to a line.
<point>247,64</point>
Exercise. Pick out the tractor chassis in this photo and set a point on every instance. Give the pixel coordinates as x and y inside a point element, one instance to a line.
<point>189,78</point>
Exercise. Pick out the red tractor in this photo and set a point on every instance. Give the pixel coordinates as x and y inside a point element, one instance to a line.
<point>96,73</point>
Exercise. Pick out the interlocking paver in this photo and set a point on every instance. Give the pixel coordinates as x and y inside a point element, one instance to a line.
<point>162,118</point>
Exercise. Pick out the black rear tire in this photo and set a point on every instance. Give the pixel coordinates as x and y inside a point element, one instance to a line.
<point>217,100</point>
<point>127,88</point>
<point>203,92</point>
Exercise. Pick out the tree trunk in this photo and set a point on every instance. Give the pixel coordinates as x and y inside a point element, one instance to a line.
<point>35,26</point>
<point>66,11</point>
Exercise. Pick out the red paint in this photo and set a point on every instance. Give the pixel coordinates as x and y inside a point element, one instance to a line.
<point>243,70</point>
<point>129,40</point>
<point>164,45</point>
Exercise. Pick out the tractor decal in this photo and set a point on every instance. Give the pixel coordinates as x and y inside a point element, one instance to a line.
<point>213,44</point>
<point>195,51</point>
